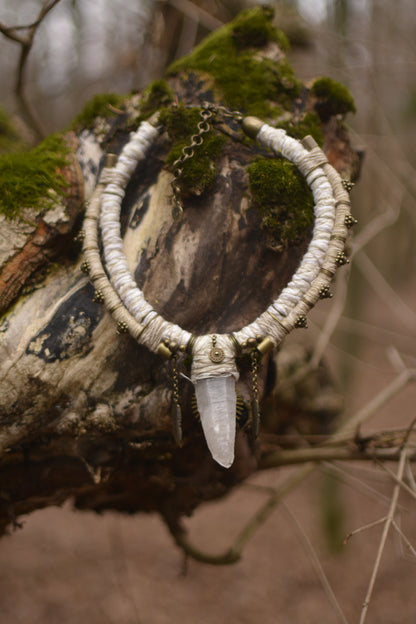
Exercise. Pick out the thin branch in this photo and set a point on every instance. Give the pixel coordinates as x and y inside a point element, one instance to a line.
<point>198,14</point>
<point>388,523</point>
<point>327,453</point>
<point>385,395</point>
<point>370,525</point>
<point>402,484</point>
<point>388,295</point>
<point>26,43</point>
<point>316,563</point>
<point>396,359</point>
<point>331,322</point>
<point>404,538</point>
<point>233,554</point>
<point>379,223</point>
<point>410,477</point>
<point>356,483</point>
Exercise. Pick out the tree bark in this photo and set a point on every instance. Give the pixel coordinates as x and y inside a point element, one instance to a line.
<point>85,411</point>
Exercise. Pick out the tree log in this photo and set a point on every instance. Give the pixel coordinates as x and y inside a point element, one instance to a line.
<point>85,411</point>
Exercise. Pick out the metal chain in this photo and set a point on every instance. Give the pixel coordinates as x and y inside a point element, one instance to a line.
<point>255,412</point>
<point>208,111</point>
<point>176,408</point>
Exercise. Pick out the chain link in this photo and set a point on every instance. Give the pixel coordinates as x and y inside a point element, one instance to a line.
<point>208,111</point>
<point>176,408</point>
<point>255,412</point>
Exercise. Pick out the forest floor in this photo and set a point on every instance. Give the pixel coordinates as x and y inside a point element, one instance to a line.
<point>69,567</point>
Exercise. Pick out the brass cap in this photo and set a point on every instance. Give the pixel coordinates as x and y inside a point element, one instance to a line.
<point>265,345</point>
<point>164,351</point>
<point>251,126</point>
<point>110,160</point>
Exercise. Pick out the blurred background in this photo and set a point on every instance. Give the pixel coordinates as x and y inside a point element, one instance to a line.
<point>69,567</point>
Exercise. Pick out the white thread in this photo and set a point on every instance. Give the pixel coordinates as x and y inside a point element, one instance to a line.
<point>203,367</point>
<point>281,314</point>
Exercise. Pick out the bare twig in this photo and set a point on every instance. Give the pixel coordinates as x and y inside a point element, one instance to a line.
<point>356,483</point>
<point>196,13</point>
<point>326,453</point>
<point>26,43</point>
<point>388,295</point>
<point>370,525</point>
<point>379,223</point>
<point>353,423</point>
<point>396,359</point>
<point>331,322</point>
<point>316,563</point>
<point>402,484</point>
<point>388,522</point>
<point>233,554</point>
<point>404,538</point>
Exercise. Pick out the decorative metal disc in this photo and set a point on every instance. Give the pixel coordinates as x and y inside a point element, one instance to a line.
<point>216,354</point>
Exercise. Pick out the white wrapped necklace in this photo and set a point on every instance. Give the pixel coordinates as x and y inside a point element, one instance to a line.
<point>214,370</point>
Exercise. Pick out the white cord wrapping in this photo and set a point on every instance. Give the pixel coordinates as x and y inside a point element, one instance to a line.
<point>314,272</point>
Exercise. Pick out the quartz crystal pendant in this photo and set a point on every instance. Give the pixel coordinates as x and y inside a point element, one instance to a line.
<point>216,400</point>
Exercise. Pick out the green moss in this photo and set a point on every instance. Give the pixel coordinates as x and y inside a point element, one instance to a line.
<point>31,179</point>
<point>157,95</point>
<point>99,106</point>
<point>283,198</point>
<point>309,123</point>
<point>252,85</point>
<point>333,98</point>
<point>200,170</point>
<point>253,29</point>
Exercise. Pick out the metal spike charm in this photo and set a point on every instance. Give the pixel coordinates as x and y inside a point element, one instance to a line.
<point>348,185</point>
<point>341,259</point>
<point>325,293</point>
<point>350,220</point>
<point>98,296</point>
<point>85,267</point>
<point>301,321</point>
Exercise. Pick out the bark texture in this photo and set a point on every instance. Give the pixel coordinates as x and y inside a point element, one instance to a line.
<point>85,411</point>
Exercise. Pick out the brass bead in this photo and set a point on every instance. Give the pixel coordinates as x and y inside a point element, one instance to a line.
<point>122,327</point>
<point>301,321</point>
<point>341,259</point>
<point>324,293</point>
<point>349,220</point>
<point>85,267</point>
<point>259,338</point>
<point>173,346</point>
<point>182,348</point>
<point>348,185</point>
<point>98,296</point>
<point>251,342</point>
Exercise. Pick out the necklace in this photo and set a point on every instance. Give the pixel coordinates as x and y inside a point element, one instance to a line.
<point>214,370</point>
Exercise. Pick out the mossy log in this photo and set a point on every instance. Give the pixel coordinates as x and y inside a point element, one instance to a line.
<point>84,410</point>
